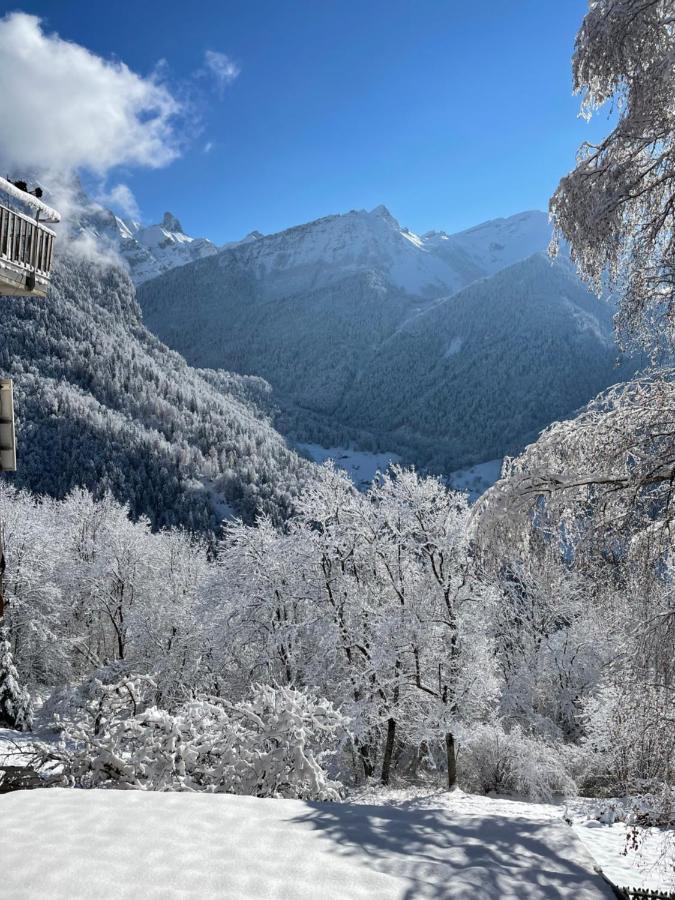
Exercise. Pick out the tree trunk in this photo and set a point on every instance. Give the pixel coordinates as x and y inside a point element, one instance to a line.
<point>452,760</point>
<point>388,750</point>
<point>368,767</point>
<point>2,574</point>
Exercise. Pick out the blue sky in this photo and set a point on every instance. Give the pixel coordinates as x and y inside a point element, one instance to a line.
<point>449,113</point>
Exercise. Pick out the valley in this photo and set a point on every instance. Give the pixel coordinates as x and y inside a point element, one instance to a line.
<point>336,538</point>
<point>447,350</point>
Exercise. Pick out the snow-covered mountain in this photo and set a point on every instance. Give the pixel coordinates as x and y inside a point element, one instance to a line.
<point>479,374</point>
<point>161,247</point>
<point>433,346</point>
<point>493,245</point>
<point>148,250</point>
<point>323,252</point>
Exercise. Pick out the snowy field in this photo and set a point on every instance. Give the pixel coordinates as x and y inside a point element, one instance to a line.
<point>476,479</point>
<point>360,465</point>
<point>69,844</point>
<point>650,866</point>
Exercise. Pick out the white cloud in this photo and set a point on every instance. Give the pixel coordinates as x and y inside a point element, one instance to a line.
<point>208,146</point>
<point>221,67</point>
<point>95,250</point>
<point>63,108</point>
<point>120,197</point>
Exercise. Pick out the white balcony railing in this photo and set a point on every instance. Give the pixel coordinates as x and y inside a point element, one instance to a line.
<point>26,246</point>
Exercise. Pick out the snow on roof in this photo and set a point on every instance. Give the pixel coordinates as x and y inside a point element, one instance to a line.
<point>47,214</point>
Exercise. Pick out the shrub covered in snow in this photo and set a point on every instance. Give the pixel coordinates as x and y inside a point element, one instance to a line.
<point>655,810</point>
<point>288,735</point>
<point>273,744</point>
<point>492,760</point>
<point>110,693</point>
<point>630,740</point>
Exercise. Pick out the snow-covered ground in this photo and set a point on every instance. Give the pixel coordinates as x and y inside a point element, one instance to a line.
<point>476,479</point>
<point>15,747</point>
<point>69,844</point>
<point>649,865</point>
<point>360,465</point>
<point>385,842</point>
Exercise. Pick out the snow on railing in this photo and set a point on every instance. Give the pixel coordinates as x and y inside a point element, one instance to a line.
<point>630,893</point>
<point>38,207</point>
<point>24,242</point>
<point>633,893</point>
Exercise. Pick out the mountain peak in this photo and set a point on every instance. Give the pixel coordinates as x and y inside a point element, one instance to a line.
<point>382,212</point>
<point>495,244</point>
<point>171,223</point>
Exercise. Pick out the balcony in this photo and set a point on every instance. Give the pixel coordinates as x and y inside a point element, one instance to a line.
<point>26,244</point>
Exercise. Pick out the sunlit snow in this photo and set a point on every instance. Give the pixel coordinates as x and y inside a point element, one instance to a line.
<point>70,844</point>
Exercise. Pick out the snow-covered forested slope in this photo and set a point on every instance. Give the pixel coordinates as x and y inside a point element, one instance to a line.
<point>101,403</point>
<point>480,373</point>
<point>370,335</point>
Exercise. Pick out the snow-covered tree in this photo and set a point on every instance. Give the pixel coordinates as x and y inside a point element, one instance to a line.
<point>548,645</point>
<point>369,598</point>
<point>588,508</point>
<point>616,209</point>
<point>629,735</point>
<point>496,761</point>
<point>16,709</point>
<point>401,610</point>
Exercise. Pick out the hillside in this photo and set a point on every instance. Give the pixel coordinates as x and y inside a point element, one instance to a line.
<point>102,403</point>
<point>480,373</point>
<point>446,349</point>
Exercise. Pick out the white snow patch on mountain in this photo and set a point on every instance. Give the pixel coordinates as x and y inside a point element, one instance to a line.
<point>326,250</point>
<point>495,244</point>
<point>454,347</point>
<point>475,480</point>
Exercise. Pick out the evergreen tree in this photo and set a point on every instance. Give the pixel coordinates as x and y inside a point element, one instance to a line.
<point>16,708</point>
